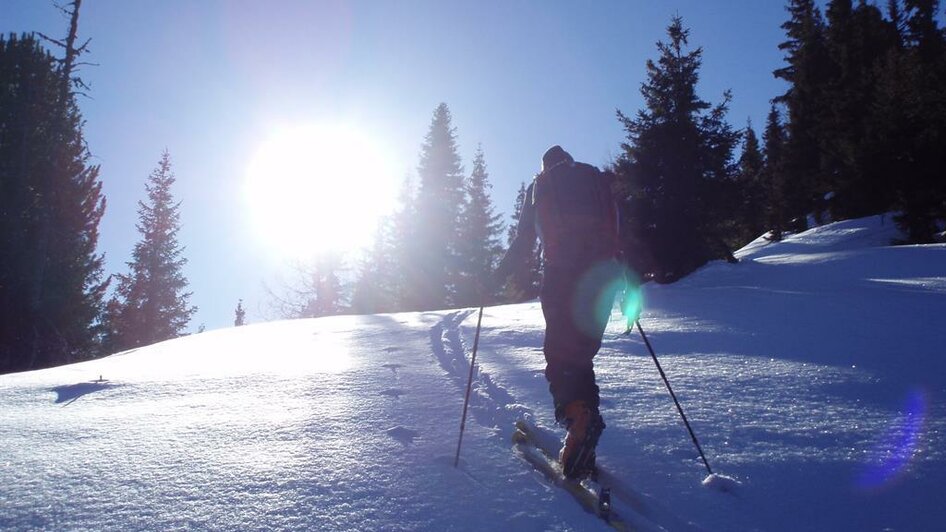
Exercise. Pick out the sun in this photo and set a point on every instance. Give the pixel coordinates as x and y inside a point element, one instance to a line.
<point>318,188</point>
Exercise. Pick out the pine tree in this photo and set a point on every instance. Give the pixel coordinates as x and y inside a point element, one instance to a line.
<point>749,181</point>
<point>844,105</point>
<point>895,15</point>
<point>773,175</point>
<point>479,246</point>
<point>239,318</point>
<point>866,118</point>
<point>922,30</point>
<point>51,287</point>
<point>526,281</point>
<point>383,282</point>
<point>404,226</point>
<point>676,162</point>
<point>375,288</point>
<point>857,41</point>
<point>921,191</point>
<point>151,299</point>
<point>807,67</point>
<point>718,188</point>
<point>433,269</point>
<point>890,130</point>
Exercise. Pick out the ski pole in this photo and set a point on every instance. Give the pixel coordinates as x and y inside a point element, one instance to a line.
<point>469,386</point>
<point>674,396</point>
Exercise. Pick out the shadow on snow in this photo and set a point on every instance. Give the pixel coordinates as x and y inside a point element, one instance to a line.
<point>70,393</point>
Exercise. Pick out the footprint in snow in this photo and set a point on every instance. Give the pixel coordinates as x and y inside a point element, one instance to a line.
<point>393,392</point>
<point>404,435</point>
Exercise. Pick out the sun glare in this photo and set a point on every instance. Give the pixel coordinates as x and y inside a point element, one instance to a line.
<point>318,188</point>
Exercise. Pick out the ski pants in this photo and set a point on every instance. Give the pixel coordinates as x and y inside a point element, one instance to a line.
<point>576,303</point>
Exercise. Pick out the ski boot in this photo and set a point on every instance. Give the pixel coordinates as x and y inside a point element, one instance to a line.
<point>584,426</point>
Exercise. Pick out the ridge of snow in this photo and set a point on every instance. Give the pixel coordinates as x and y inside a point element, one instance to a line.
<point>845,235</point>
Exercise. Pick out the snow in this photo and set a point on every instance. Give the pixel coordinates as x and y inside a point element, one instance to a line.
<point>812,372</point>
<point>721,483</point>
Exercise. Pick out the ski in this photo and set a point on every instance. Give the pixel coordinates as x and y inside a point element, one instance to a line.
<point>549,444</point>
<point>593,498</point>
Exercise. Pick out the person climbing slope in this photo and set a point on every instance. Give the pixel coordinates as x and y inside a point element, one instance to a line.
<point>570,207</point>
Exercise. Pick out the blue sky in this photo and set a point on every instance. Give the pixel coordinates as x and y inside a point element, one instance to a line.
<point>208,80</point>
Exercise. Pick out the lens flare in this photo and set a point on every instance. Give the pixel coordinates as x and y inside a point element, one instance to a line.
<point>594,297</point>
<point>632,304</point>
<point>896,450</point>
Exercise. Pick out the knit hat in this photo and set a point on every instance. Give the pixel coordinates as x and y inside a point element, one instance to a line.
<point>555,156</point>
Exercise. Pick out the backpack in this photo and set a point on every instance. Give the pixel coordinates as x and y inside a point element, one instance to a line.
<point>576,216</point>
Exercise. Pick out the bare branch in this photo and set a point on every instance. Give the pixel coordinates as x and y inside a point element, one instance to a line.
<point>61,8</point>
<point>47,38</point>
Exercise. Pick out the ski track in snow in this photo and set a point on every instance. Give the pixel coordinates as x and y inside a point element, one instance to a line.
<point>495,407</point>
<point>490,404</point>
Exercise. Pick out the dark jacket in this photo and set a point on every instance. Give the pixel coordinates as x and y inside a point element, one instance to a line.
<point>570,208</point>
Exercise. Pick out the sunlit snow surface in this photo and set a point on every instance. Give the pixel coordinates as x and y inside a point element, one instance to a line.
<point>813,373</point>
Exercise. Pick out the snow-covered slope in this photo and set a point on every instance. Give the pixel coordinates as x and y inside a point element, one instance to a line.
<point>812,371</point>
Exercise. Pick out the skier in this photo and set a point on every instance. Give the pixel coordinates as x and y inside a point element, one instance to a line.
<point>570,207</point>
